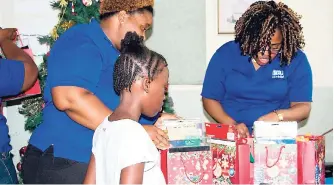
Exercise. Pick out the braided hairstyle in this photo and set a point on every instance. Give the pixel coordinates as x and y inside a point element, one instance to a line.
<point>136,61</point>
<point>258,24</point>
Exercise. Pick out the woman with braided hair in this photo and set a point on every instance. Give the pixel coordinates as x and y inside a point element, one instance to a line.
<point>80,95</point>
<point>123,152</point>
<point>263,74</point>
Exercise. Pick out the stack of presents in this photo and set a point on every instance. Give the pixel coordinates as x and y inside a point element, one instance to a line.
<point>210,153</point>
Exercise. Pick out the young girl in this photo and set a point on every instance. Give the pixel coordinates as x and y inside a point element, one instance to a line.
<point>123,152</point>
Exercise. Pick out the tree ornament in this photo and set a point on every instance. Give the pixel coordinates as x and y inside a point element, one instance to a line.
<point>63,3</point>
<point>54,33</point>
<point>23,151</point>
<point>67,24</point>
<point>87,2</point>
<point>19,166</point>
<point>72,9</point>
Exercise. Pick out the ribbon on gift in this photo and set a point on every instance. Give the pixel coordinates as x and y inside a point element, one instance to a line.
<point>201,176</point>
<point>278,157</point>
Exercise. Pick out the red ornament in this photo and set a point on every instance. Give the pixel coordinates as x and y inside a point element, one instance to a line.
<point>73,11</point>
<point>48,54</point>
<point>23,151</point>
<point>19,166</point>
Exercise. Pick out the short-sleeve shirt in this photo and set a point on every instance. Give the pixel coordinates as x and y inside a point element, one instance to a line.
<point>122,143</point>
<point>84,57</point>
<point>11,82</point>
<point>247,94</point>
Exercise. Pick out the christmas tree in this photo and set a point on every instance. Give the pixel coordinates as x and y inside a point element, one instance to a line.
<point>71,12</point>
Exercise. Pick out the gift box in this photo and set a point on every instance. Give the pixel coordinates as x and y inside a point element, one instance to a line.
<point>221,131</point>
<point>280,130</point>
<point>311,159</point>
<point>184,132</point>
<point>187,165</point>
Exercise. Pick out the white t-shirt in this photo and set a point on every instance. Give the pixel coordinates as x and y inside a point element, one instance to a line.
<point>123,143</point>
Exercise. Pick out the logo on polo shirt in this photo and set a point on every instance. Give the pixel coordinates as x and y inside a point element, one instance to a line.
<point>278,74</point>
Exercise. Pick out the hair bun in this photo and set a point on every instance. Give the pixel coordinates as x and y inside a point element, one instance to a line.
<point>132,43</point>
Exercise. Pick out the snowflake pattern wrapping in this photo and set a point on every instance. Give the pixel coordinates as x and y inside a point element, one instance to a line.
<point>275,164</point>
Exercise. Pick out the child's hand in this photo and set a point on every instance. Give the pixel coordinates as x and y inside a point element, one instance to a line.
<point>158,136</point>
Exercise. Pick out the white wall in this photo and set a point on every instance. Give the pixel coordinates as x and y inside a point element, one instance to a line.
<point>317,22</point>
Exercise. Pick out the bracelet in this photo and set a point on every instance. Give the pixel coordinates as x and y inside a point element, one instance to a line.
<point>280,116</point>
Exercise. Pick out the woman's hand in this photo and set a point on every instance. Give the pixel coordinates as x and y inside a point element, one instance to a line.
<point>158,136</point>
<point>242,130</point>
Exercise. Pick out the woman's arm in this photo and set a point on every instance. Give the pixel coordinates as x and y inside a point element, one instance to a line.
<point>80,105</point>
<point>91,172</point>
<point>132,174</point>
<point>298,111</point>
<point>12,52</point>
<point>216,111</point>
<point>73,86</point>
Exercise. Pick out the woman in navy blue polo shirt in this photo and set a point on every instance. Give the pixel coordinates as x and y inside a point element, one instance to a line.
<point>263,74</point>
<point>79,93</point>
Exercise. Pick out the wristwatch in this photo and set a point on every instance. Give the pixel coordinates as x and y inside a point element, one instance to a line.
<point>280,116</point>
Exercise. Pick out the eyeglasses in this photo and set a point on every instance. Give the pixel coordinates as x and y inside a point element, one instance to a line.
<point>274,48</point>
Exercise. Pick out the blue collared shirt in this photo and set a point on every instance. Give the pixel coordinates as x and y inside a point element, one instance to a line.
<point>84,57</point>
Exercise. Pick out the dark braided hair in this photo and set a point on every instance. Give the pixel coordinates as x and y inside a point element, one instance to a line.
<point>257,25</point>
<point>136,61</point>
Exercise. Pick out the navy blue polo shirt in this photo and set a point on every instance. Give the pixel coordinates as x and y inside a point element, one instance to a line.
<point>247,94</point>
<point>11,82</point>
<point>84,57</point>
